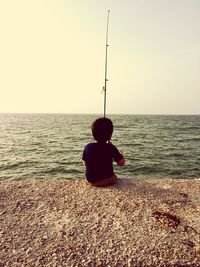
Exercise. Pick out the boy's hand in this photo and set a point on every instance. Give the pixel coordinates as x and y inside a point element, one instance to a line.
<point>122,161</point>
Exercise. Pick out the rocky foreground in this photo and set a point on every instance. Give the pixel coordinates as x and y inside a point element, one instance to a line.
<point>69,223</point>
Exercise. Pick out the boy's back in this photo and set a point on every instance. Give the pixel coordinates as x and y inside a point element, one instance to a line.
<point>98,158</point>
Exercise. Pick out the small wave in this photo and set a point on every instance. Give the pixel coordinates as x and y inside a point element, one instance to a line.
<point>31,149</point>
<point>17,165</point>
<point>175,154</point>
<point>176,172</point>
<point>10,166</point>
<point>56,170</point>
<point>133,144</point>
<point>147,169</point>
<point>182,140</point>
<point>53,141</point>
<point>190,128</point>
<point>24,132</point>
<point>56,152</point>
<point>61,170</point>
<point>74,171</point>
<point>35,143</point>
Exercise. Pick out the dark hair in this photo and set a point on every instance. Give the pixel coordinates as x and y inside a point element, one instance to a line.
<point>102,129</point>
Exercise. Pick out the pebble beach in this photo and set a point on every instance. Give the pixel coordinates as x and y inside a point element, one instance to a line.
<point>137,222</point>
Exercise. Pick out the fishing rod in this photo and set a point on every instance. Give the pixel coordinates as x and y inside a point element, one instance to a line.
<point>106,62</point>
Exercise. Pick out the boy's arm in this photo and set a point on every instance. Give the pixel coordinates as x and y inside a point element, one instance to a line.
<point>84,156</point>
<point>118,156</point>
<point>121,162</point>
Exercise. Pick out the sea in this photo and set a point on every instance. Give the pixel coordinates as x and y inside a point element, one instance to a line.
<point>49,146</point>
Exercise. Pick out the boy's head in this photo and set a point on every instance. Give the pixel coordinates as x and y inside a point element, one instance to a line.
<point>102,129</point>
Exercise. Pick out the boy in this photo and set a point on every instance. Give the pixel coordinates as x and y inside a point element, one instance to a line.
<point>98,156</point>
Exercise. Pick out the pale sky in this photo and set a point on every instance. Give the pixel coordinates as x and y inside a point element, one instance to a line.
<point>52,55</point>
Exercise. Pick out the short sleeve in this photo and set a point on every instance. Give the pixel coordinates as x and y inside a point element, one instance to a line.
<point>84,157</point>
<point>87,152</point>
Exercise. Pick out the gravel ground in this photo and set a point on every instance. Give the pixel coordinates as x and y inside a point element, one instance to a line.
<point>137,222</point>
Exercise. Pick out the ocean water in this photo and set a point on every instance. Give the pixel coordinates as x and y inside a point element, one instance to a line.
<point>50,145</point>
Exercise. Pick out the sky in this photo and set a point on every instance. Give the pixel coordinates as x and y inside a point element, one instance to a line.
<point>52,56</point>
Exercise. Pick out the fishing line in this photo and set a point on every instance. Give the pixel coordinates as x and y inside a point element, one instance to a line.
<point>106,62</point>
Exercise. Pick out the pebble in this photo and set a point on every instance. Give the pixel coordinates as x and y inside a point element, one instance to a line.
<point>3,212</point>
<point>98,263</point>
<point>197,249</point>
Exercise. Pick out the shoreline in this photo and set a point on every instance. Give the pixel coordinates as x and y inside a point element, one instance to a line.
<point>137,222</point>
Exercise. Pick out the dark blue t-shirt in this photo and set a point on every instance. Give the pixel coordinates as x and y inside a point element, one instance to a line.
<point>99,158</point>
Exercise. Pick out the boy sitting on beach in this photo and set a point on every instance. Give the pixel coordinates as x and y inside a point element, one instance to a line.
<point>98,156</point>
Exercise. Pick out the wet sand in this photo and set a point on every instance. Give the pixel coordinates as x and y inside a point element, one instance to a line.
<point>69,223</point>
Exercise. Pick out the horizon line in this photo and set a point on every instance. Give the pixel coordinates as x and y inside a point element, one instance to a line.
<point>99,114</point>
